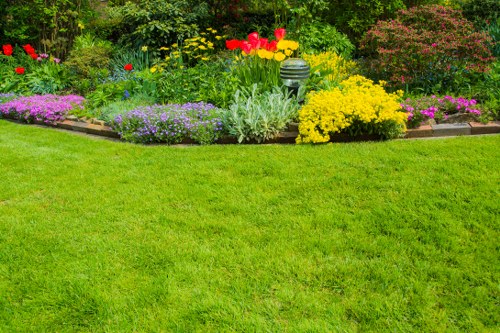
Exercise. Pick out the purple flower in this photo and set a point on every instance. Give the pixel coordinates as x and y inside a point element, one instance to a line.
<point>47,108</point>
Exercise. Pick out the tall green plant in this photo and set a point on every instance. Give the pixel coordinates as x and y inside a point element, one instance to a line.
<point>50,25</point>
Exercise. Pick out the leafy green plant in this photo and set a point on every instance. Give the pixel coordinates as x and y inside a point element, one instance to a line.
<point>211,82</point>
<point>154,23</point>
<point>48,78</point>
<point>319,37</point>
<point>111,110</point>
<point>481,11</point>
<point>139,58</point>
<point>109,92</point>
<point>259,117</point>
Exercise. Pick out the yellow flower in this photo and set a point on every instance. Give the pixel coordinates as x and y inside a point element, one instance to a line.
<point>279,56</point>
<point>293,45</point>
<point>358,101</point>
<point>174,45</point>
<point>288,52</point>
<point>153,69</point>
<point>144,48</point>
<point>282,44</point>
<point>163,48</point>
<point>202,47</point>
<point>218,37</point>
<point>81,25</point>
<point>205,58</point>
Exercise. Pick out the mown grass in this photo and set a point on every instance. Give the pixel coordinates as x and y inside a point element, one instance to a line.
<point>104,236</point>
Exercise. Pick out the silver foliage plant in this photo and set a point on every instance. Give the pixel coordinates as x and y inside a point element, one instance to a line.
<point>256,116</point>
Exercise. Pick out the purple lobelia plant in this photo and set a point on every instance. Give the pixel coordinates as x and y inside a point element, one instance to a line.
<point>46,108</point>
<point>170,124</point>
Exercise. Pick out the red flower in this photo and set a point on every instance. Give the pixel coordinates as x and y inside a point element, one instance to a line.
<point>255,44</point>
<point>7,49</point>
<point>246,47</point>
<point>128,67</point>
<point>280,33</point>
<point>273,46</point>
<point>263,43</point>
<point>254,36</point>
<point>29,49</point>
<point>233,44</point>
<point>33,56</point>
<point>19,70</point>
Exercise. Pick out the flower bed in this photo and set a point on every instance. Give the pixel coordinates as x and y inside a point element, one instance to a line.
<point>45,108</point>
<point>446,109</point>
<point>169,124</point>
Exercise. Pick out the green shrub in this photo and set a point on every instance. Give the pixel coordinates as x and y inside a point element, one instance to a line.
<point>87,61</point>
<point>319,37</point>
<point>155,23</point>
<point>258,117</point>
<point>481,11</point>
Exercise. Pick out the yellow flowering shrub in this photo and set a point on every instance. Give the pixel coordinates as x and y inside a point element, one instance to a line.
<point>357,107</point>
<point>330,66</point>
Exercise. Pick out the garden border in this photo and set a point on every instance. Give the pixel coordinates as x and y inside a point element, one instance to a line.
<point>95,127</point>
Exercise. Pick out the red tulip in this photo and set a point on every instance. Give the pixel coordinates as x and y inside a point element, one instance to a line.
<point>272,46</point>
<point>19,70</point>
<point>7,49</point>
<point>253,36</point>
<point>29,49</point>
<point>233,44</point>
<point>280,33</point>
<point>34,56</point>
<point>255,44</point>
<point>264,42</point>
<point>246,47</point>
<point>128,67</point>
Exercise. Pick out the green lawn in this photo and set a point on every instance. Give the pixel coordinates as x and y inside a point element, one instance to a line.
<point>101,236</point>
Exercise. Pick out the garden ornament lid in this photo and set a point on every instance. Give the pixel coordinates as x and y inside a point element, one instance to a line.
<point>294,69</point>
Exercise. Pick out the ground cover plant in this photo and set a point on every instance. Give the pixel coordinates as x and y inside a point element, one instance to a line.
<point>46,108</point>
<point>444,109</point>
<point>103,236</point>
<point>170,123</point>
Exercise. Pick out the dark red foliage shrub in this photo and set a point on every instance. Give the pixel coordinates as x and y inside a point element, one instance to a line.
<point>428,47</point>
